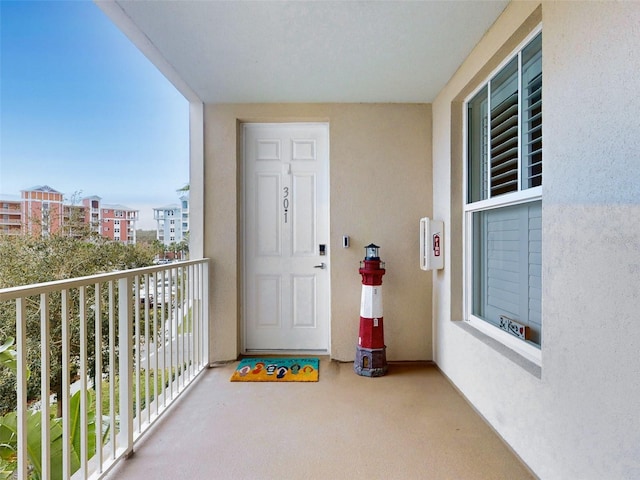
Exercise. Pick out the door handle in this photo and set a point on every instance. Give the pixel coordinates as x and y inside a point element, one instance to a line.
<point>319,266</point>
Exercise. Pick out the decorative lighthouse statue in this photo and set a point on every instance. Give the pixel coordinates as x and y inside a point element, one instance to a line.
<point>371,357</point>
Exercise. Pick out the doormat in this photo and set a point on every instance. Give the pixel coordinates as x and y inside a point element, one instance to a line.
<point>277,370</point>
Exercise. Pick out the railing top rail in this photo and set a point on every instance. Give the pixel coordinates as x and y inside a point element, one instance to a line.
<point>12,293</point>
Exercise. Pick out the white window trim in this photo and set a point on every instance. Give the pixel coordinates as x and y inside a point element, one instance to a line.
<point>502,64</point>
<point>526,350</point>
<point>505,200</point>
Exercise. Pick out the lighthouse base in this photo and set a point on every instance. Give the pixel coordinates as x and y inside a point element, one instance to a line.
<point>371,362</point>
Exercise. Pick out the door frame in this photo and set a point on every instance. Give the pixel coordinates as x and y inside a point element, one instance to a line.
<point>242,247</point>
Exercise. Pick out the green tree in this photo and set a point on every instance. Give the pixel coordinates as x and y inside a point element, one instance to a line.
<point>173,248</point>
<point>183,247</point>
<point>159,248</point>
<point>73,221</point>
<point>8,355</point>
<point>145,236</point>
<point>35,259</point>
<point>9,440</point>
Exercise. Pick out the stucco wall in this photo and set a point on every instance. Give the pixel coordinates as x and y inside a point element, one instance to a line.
<point>577,417</point>
<point>380,186</point>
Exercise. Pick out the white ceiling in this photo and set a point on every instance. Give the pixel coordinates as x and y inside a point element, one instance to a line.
<point>306,51</point>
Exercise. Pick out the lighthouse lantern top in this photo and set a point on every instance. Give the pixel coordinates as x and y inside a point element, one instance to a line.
<point>371,252</point>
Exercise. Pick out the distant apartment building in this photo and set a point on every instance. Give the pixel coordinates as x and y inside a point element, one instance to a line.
<point>118,223</point>
<point>173,221</point>
<point>115,222</point>
<point>41,210</point>
<point>10,215</point>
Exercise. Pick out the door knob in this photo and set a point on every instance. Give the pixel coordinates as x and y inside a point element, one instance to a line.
<point>319,266</point>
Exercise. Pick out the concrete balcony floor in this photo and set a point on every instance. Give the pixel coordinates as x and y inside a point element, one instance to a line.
<point>409,424</point>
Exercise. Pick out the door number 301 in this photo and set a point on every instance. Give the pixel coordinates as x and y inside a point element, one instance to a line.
<point>285,202</point>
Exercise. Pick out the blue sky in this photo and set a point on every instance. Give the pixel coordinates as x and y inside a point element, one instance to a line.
<point>82,110</point>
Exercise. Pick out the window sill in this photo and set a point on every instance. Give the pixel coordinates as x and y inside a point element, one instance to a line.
<point>526,364</point>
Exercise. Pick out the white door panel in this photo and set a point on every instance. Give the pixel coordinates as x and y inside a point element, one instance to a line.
<point>286,298</point>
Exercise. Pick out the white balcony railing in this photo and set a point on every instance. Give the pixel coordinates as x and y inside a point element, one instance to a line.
<point>10,211</point>
<point>118,349</point>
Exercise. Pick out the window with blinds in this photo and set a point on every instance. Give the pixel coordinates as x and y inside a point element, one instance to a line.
<point>504,167</point>
<point>508,280</point>
<point>504,142</point>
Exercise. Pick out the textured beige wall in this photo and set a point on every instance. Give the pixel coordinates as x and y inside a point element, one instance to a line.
<point>577,416</point>
<point>591,223</point>
<point>380,186</point>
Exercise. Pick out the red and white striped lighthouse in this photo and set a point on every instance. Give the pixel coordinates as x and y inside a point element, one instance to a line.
<point>371,357</point>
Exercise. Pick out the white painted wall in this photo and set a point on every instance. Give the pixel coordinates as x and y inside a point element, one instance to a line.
<point>579,416</point>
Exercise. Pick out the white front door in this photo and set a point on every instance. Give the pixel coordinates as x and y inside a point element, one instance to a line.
<point>286,237</point>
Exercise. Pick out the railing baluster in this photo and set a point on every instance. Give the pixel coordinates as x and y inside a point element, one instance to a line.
<point>183,359</point>
<point>149,280</point>
<point>192,316</point>
<point>66,381</point>
<point>179,335</point>
<point>205,313</point>
<point>84,437</point>
<point>112,373</point>
<point>198,313</point>
<point>137,342</point>
<point>189,318</point>
<point>196,316</point>
<point>163,322</point>
<point>177,324</point>
<point>192,313</point>
<point>186,300</point>
<point>155,359</point>
<point>45,387</point>
<point>126,370</point>
<point>98,376</point>
<point>169,318</point>
<point>200,329</point>
<point>21,401</point>
<point>185,321</point>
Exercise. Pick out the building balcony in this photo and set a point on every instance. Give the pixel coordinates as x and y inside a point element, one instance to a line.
<point>10,221</point>
<point>411,423</point>
<point>11,211</point>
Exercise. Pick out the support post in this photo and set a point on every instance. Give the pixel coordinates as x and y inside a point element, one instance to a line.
<point>125,351</point>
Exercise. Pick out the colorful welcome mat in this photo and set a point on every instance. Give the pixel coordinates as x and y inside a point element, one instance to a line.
<point>277,370</point>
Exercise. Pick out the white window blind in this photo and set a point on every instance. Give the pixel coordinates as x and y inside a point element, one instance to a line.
<point>532,117</point>
<point>504,131</point>
<point>507,278</point>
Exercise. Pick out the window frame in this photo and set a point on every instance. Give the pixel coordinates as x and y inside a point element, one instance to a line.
<point>521,196</point>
